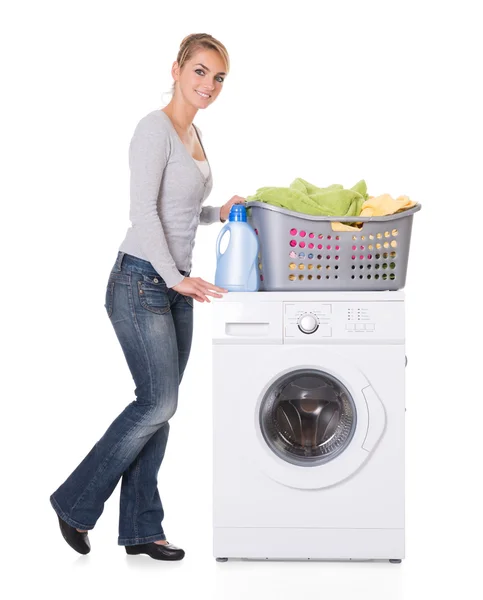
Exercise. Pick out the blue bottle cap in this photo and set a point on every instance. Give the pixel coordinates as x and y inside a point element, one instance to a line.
<point>238,212</point>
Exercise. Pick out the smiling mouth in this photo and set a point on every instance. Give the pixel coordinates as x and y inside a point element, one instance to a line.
<point>203,95</point>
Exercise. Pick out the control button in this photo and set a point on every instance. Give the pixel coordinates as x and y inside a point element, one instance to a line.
<point>308,323</point>
<point>370,327</point>
<point>360,327</point>
<point>350,326</point>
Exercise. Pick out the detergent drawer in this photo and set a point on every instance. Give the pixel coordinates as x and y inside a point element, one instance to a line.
<point>247,323</point>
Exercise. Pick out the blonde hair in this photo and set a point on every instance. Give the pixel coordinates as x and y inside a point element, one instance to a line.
<point>197,41</point>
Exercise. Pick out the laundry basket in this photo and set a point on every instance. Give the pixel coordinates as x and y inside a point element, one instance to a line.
<point>302,252</point>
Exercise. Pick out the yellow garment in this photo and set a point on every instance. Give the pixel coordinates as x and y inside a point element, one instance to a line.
<point>385,205</point>
<point>379,206</point>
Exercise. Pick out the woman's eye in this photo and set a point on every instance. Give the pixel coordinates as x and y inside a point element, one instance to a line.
<point>219,78</point>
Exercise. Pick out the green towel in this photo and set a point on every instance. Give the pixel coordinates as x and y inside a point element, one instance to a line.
<point>303,197</point>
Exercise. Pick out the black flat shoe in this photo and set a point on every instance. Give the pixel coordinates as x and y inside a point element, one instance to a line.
<point>157,551</point>
<point>77,540</point>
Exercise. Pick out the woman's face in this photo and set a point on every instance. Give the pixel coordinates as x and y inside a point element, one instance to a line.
<point>201,79</point>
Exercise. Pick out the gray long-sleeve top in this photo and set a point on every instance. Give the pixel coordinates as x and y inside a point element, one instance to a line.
<point>167,191</point>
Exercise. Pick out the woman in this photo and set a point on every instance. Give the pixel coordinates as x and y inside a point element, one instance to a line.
<point>149,300</point>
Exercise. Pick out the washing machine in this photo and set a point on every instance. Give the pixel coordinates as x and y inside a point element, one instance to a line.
<point>308,425</point>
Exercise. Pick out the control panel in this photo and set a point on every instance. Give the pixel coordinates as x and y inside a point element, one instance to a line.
<point>319,322</point>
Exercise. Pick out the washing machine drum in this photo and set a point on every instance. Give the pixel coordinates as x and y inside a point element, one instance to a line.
<point>307,417</point>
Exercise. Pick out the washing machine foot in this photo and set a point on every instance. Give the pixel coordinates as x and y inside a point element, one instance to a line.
<point>395,561</point>
<point>221,559</point>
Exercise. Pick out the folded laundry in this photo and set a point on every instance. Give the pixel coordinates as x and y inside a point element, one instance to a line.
<point>332,201</point>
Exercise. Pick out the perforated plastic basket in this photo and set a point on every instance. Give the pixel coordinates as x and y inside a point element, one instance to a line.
<point>302,252</point>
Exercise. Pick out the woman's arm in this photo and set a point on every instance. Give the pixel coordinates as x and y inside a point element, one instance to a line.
<point>148,155</point>
<point>210,214</point>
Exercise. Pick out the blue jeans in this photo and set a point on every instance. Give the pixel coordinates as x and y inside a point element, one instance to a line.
<point>154,325</point>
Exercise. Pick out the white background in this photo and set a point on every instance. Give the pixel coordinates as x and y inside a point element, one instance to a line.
<point>332,92</point>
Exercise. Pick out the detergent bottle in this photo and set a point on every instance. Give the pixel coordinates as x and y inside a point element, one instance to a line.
<point>236,268</point>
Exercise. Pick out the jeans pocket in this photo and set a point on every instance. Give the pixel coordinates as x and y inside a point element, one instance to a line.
<point>188,299</point>
<point>109,301</point>
<point>153,294</point>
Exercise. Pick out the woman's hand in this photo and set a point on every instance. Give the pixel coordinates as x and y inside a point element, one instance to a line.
<point>198,288</point>
<point>225,209</point>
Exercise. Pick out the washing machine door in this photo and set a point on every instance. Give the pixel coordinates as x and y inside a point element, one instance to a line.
<point>317,425</point>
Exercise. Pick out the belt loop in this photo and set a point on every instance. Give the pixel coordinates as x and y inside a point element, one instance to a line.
<point>120,256</point>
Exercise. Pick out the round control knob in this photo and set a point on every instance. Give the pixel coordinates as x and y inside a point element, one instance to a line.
<point>308,323</point>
